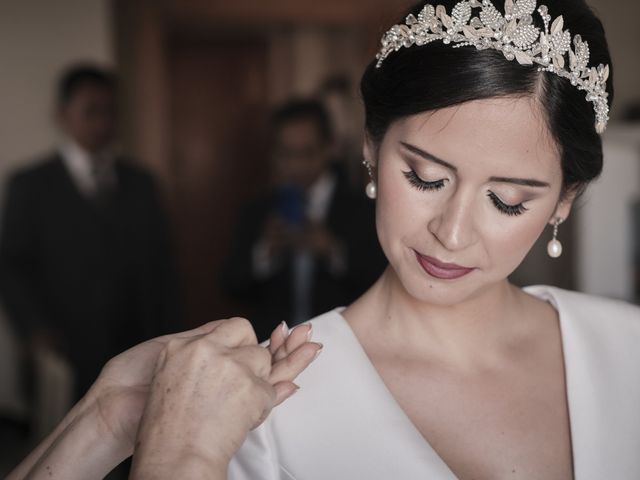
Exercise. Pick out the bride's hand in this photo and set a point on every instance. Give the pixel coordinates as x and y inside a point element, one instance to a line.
<point>208,391</point>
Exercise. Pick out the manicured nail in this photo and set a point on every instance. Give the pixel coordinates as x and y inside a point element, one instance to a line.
<point>285,328</point>
<point>310,333</point>
<point>318,352</point>
<point>291,393</point>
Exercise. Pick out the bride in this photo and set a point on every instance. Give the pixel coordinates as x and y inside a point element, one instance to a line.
<point>483,125</point>
<point>443,369</point>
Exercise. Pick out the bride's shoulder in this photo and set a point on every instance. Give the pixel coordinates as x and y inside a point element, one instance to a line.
<point>328,318</point>
<point>331,327</point>
<point>325,326</point>
<point>328,326</point>
<point>341,357</point>
<point>589,309</point>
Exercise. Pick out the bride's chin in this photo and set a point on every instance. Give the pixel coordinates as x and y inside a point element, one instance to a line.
<point>441,293</point>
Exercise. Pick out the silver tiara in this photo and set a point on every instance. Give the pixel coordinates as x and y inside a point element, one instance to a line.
<point>514,35</point>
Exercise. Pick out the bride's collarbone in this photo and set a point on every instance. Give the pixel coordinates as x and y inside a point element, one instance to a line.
<point>505,423</point>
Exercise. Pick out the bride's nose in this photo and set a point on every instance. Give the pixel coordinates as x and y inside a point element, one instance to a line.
<point>454,226</point>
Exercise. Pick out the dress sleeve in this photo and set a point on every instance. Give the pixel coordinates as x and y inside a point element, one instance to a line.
<point>257,459</point>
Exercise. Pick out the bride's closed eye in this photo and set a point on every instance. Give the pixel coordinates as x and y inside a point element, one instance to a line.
<point>503,207</point>
<point>421,184</point>
<point>507,209</point>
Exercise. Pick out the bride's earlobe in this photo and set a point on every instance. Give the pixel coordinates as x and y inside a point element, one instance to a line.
<point>554,247</point>
<point>371,189</point>
<point>367,152</point>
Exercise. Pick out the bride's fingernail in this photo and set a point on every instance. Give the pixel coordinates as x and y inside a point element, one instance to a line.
<point>285,328</point>
<point>294,391</point>
<point>310,333</point>
<point>318,352</point>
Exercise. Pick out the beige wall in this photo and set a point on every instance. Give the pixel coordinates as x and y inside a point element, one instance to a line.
<point>37,39</point>
<point>605,240</point>
<point>604,230</point>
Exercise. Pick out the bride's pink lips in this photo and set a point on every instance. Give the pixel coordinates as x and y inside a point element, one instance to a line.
<point>441,270</point>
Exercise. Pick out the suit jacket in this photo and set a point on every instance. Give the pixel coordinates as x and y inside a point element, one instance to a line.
<point>344,423</point>
<point>350,218</point>
<point>100,275</point>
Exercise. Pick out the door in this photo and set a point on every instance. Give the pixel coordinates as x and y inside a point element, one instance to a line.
<point>218,108</point>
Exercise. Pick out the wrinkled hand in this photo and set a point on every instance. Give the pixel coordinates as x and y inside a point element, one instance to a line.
<point>209,391</point>
<point>120,392</point>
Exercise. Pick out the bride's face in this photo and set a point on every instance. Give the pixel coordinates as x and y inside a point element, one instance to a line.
<point>463,194</point>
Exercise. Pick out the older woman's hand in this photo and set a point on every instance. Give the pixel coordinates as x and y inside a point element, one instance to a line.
<point>100,431</point>
<point>121,389</point>
<point>208,392</point>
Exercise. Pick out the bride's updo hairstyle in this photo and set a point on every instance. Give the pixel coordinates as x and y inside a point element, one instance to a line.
<point>422,78</point>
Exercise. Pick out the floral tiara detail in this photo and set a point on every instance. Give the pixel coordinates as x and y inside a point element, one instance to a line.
<point>514,35</point>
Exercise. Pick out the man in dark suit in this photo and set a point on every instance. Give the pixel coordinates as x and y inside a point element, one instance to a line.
<point>310,244</point>
<point>85,260</point>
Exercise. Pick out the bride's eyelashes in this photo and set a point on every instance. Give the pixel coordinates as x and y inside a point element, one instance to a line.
<point>421,184</point>
<point>511,210</point>
<point>502,207</point>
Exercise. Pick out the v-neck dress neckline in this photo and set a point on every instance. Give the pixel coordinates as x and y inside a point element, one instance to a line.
<point>344,423</point>
<point>413,433</point>
<point>350,332</point>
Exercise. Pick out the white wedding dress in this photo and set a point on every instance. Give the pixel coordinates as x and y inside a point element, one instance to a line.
<point>345,424</point>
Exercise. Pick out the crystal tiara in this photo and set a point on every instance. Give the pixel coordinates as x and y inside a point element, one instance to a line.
<point>514,35</point>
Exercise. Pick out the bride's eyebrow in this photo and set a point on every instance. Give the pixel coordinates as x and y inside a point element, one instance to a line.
<point>527,182</point>
<point>427,156</point>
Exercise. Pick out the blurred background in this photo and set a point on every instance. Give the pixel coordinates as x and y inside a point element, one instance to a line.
<point>197,82</point>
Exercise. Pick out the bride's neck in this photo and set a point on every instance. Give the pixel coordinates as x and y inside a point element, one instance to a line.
<point>395,321</point>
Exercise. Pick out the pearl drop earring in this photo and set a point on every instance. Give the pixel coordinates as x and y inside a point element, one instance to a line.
<point>554,247</point>
<point>371,190</point>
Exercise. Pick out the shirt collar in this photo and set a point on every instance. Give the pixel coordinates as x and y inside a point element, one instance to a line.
<point>82,165</point>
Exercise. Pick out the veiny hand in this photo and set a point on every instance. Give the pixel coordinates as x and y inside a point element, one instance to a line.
<point>99,431</point>
<point>209,391</point>
<point>121,390</point>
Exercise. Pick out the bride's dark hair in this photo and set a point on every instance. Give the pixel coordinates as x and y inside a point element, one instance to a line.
<point>419,79</point>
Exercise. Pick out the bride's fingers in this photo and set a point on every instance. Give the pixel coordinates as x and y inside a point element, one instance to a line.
<point>284,390</point>
<point>278,337</point>
<point>287,369</point>
<point>270,398</point>
<point>298,336</point>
